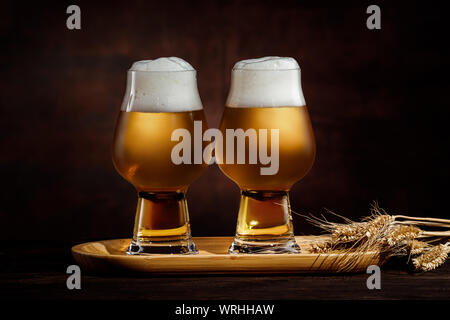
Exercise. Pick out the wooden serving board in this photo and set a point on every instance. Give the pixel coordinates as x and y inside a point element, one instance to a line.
<point>109,256</point>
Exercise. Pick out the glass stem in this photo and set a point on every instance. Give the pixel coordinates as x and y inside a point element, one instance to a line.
<point>162,224</point>
<point>264,223</point>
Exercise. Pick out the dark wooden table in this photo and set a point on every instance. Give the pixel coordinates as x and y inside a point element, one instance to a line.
<point>37,271</point>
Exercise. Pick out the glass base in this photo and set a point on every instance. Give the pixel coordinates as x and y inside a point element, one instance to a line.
<point>240,245</point>
<point>264,224</point>
<point>162,247</point>
<point>162,225</point>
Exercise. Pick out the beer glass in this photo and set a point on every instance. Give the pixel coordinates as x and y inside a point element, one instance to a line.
<point>266,105</point>
<point>161,97</point>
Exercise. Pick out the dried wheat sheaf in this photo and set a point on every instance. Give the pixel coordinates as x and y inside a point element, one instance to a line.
<point>384,236</point>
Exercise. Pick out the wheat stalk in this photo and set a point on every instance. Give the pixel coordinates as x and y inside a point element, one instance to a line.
<point>411,248</point>
<point>383,235</point>
<point>398,234</point>
<point>432,258</point>
<point>417,247</point>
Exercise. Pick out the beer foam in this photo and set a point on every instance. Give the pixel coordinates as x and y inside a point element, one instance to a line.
<point>162,64</point>
<point>267,63</point>
<point>162,85</point>
<point>266,82</point>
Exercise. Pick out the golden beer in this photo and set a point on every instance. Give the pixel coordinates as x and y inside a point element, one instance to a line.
<point>161,98</point>
<point>142,150</point>
<point>142,155</point>
<point>296,146</point>
<point>265,97</point>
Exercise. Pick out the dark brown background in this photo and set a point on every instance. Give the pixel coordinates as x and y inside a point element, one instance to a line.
<point>378,101</point>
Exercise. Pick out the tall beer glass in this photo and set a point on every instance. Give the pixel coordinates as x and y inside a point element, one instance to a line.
<point>161,97</point>
<point>267,103</point>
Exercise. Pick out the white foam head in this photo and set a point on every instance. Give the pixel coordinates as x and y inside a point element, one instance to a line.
<point>266,82</point>
<point>162,85</point>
